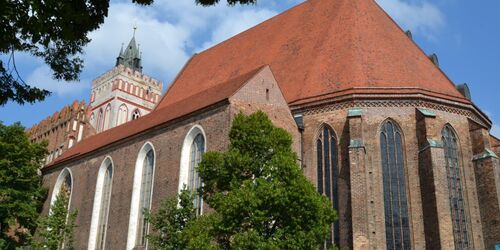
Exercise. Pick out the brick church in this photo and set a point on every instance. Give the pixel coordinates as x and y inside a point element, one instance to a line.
<point>401,151</point>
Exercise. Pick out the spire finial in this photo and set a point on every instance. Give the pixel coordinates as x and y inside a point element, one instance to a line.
<point>135,28</point>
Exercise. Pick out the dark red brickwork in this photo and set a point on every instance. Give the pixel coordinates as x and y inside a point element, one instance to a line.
<point>62,130</point>
<point>401,85</point>
<point>167,142</point>
<point>361,208</point>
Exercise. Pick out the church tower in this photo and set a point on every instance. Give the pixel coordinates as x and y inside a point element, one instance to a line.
<point>124,93</point>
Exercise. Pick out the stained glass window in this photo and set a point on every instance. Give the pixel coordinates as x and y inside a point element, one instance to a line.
<point>327,176</point>
<point>145,200</point>
<point>194,181</point>
<point>104,209</point>
<point>458,213</point>
<point>397,226</point>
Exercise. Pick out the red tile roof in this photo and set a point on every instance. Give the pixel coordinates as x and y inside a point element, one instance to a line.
<point>190,104</point>
<point>318,49</point>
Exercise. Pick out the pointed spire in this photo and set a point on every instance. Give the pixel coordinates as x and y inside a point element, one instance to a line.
<point>131,57</point>
<point>121,51</point>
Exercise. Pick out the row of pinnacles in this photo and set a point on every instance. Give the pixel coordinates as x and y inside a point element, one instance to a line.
<point>63,129</point>
<point>120,95</point>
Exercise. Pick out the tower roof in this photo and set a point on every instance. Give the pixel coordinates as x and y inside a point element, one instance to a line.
<point>320,49</point>
<point>131,57</point>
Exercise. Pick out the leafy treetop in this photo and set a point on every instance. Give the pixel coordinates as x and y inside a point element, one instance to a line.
<point>21,192</point>
<point>259,197</point>
<point>55,231</point>
<point>55,31</point>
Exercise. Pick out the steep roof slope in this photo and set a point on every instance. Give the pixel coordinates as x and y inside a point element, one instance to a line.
<point>319,48</point>
<point>190,104</point>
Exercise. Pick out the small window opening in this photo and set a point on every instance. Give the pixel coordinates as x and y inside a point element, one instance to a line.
<point>267,94</point>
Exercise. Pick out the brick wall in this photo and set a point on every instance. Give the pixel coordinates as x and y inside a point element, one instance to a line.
<point>371,120</point>
<point>361,206</point>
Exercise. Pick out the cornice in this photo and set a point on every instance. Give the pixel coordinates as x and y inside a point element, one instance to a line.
<point>398,100</point>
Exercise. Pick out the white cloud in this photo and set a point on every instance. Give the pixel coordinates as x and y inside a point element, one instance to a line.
<point>162,44</point>
<point>235,22</point>
<point>420,17</point>
<point>41,77</point>
<point>170,31</point>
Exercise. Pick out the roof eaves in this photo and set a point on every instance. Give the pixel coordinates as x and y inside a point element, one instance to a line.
<point>79,155</point>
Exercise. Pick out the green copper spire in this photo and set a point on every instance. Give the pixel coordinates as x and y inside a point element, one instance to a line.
<point>131,57</point>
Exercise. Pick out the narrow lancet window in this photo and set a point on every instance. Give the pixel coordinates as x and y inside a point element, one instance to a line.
<point>327,176</point>
<point>194,181</point>
<point>145,197</point>
<point>104,209</point>
<point>397,226</point>
<point>457,204</point>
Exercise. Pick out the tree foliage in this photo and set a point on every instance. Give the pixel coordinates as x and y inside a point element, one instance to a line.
<point>55,31</point>
<point>259,195</point>
<point>21,192</point>
<point>170,220</point>
<point>56,230</point>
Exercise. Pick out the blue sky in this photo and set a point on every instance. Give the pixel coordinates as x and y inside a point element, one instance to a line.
<point>464,34</point>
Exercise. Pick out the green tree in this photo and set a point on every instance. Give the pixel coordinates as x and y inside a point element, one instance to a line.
<point>21,192</point>
<point>170,220</point>
<point>259,195</point>
<point>56,230</point>
<point>55,31</point>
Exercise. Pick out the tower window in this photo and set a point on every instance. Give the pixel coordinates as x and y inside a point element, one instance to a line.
<point>136,114</point>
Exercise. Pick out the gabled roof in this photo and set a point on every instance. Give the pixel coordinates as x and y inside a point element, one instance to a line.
<point>318,49</point>
<point>190,104</point>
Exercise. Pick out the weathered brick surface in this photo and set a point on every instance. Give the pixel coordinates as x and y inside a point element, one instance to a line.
<point>405,117</point>
<point>167,141</point>
<point>487,170</point>
<point>360,185</point>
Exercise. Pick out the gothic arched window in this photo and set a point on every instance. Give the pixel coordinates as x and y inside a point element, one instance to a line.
<point>92,120</point>
<point>327,175</point>
<point>397,223</point>
<point>141,197</point>
<point>99,120</point>
<point>453,173</point>
<point>102,197</point>
<point>191,155</point>
<point>107,116</point>
<point>136,114</point>
<point>145,201</point>
<point>194,181</point>
<point>122,115</point>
